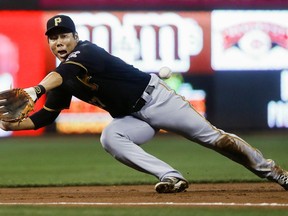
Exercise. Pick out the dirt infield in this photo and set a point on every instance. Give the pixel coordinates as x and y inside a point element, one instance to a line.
<point>232,193</point>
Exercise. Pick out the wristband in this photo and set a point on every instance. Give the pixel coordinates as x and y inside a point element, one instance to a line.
<point>40,90</point>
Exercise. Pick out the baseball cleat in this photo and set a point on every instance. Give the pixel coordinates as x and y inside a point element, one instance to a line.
<point>281,177</point>
<point>171,185</point>
<point>283,180</point>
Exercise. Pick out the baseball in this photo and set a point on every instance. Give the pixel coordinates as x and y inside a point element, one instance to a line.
<point>165,73</point>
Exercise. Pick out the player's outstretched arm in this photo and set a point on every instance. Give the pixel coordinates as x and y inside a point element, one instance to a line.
<point>51,81</point>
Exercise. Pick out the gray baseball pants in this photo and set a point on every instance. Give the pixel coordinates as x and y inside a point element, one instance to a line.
<point>167,110</point>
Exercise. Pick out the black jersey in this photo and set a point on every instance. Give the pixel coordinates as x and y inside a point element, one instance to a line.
<point>99,78</point>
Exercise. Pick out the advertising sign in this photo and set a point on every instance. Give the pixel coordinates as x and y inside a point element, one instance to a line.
<point>277,110</point>
<point>149,40</point>
<point>241,54</point>
<point>249,40</point>
<point>22,53</point>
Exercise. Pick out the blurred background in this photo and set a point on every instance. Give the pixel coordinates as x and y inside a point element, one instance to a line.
<point>229,57</point>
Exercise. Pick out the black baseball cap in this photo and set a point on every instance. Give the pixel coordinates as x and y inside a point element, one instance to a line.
<point>60,24</point>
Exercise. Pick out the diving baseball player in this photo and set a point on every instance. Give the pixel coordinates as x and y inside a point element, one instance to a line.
<point>140,103</point>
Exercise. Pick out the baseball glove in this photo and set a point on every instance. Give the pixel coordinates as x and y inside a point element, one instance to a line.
<point>15,105</point>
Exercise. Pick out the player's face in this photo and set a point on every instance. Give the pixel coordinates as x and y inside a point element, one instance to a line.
<point>62,44</point>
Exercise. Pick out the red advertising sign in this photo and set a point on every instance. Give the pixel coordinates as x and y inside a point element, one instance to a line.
<point>22,53</point>
<point>151,40</point>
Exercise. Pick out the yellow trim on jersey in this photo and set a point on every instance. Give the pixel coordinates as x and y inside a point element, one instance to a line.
<point>76,63</point>
<point>51,110</point>
<point>85,79</point>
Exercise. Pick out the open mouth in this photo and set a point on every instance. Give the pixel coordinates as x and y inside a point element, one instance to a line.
<point>62,52</point>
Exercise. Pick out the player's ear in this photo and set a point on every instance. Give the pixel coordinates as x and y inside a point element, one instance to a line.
<point>76,36</point>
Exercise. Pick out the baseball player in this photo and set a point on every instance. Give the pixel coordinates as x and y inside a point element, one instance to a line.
<point>140,103</point>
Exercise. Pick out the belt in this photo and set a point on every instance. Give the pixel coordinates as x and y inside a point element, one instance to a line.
<point>141,102</point>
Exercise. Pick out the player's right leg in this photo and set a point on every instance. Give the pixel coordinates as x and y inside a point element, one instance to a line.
<point>122,139</point>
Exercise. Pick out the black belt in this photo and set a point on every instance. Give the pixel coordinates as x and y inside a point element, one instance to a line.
<point>141,102</point>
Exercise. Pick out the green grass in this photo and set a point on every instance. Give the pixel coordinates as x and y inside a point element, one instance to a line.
<point>104,211</point>
<point>80,160</point>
